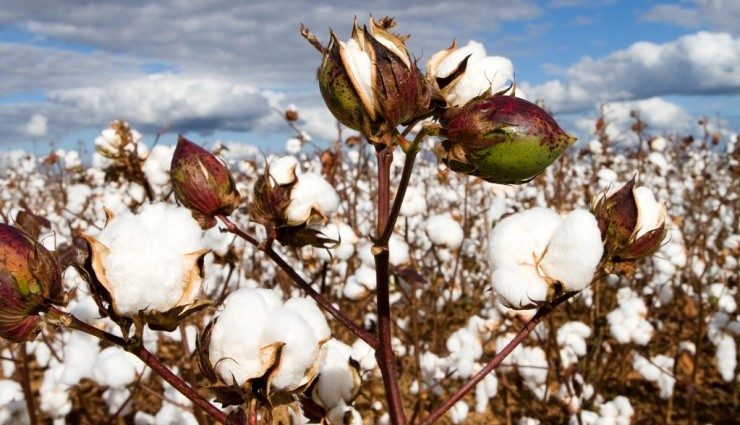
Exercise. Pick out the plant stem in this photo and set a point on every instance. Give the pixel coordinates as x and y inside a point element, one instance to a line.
<point>25,378</point>
<point>144,355</point>
<point>302,283</point>
<point>384,353</point>
<point>498,358</point>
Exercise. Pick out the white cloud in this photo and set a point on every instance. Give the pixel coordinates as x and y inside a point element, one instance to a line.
<point>699,64</point>
<point>188,103</point>
<point>720,15</point>
<point>37,126</point>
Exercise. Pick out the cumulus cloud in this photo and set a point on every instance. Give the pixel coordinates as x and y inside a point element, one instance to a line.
<point>698,64</point>
<point>719,15</point>
<point>37,126</point>
<point>187,103</point>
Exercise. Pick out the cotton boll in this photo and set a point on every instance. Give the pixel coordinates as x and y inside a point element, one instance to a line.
<point>517,236</point>
<point>300,350</point>
<point>236,337</point>
<point>574,251</point>
<point>157,165</point>
<point>338,381</point>
<point>284,170</point>
<point>139,246</point>
<point>399,250</point>
<point>519,287</point>
<point>346,237</point>
<point>293,145</point>
<point>485,391</point>
<point>310,312</point>
<point>459,412</point>
<point>726,356</point>
<point>443,230</point>
<point>310,192</point>
<point>343,414</point>
<point>80,355</point>
<point>116,368</point>
<point>55,400</point>
<point>414,202</point>
<point>364,354</point>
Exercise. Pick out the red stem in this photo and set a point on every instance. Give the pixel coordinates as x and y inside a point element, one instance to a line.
<point>498,358</point>
<point>148,358</point>
<point>302,283</point>
<point>384,353</point>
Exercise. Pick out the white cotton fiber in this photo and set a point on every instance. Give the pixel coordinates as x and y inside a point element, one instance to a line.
<point>145,267</point>
<point>444,230</point>
<point>310,192</point>
<point>574,251</point>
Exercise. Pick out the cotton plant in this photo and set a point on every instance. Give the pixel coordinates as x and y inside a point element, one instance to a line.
<point>267,353</point>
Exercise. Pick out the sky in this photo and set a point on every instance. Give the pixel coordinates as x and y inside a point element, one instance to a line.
<point>219,70</point>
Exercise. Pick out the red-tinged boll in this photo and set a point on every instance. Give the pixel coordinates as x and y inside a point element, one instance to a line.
<point>501,139</point>
<point>202,183</point>
<point>370,83</point>
<point>30,282</point>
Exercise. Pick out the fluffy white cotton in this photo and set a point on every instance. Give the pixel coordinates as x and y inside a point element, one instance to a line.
<point>726,357</point>
<point>80,354</point>
<point>157,165</point>
<point>459,412</point>
<point>658,369</point>
<point>116,368</point>
<point>530,250</point>
<point>574,251</point>
<point>571,338</point>
<point>398,250</point>
<point>140,246</point>
<point>311,192</point>
<point>55,400</point>
<point>359,67</point>
<point>483,74</point>
<point>444,230</point>
<point>650,213</point>
<point>347,241</point>
<point>252,320</point>
<point>414,202</point>
<point>338,380</point>
<point>627,322</point>
<point>293,145</point>
<point>284,170</point>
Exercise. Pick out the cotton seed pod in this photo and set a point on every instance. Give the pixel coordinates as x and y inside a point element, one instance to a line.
<point>30,281</point>
<point>631,221</point>
<point>501,139</point>
<point>202,183</point>
<point>371,83</point>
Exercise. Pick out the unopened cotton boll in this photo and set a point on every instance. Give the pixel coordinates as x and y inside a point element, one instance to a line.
<point>444,230</point>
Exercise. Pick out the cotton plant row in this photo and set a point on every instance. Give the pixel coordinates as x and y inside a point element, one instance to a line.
<point>346,288</point>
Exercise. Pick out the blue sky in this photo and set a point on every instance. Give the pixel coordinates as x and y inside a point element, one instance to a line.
<point>217,70</point>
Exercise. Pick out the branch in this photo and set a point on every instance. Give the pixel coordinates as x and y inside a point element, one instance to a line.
<point>302,283</point>
<point>498,358</point>
<point>144,355</point>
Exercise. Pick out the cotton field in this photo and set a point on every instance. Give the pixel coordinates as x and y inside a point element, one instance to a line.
<point>652,340</point>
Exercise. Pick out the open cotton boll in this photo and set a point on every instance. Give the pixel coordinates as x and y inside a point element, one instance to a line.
<point>80,353</point>
<point>726,356</point>
<point>54,395</point>
<point>651,214</point>
<point>574,251</point>
<point>236,337</point>
<point>338,381</point>
<point>310,192</point>
<point>517,236</point>
<point>359,66</point>
<point>139,248</point>
<point>519,287</point>
<point>656,370</point>
<point>347,240</point>
<point>444,230</point>
<point>116,368</point>
<point>398,249</point>
<point>301,347</point>
<point>414,202</point>
<point>157,165</point>
<point>310,312</point>
<point>459,412</point>
<point>284,170</point>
